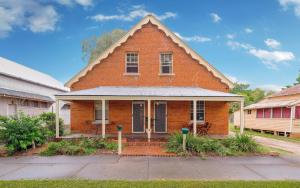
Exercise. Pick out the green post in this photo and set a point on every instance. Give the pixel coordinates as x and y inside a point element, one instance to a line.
<point>184,131</point>
<point>119,128</point>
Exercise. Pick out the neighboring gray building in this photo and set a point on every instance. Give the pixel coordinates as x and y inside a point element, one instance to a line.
<point>28,90</point>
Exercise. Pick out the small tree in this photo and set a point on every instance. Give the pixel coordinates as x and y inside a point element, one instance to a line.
<point>22,131</point>
<point>93,47</point>
<point>250,95</point>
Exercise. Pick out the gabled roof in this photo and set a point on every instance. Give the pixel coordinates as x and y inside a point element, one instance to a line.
<point>18,71</point>
<point>288,91</point>
<point>176,39</point>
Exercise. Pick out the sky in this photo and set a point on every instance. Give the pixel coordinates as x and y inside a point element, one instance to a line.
<point>250,41</point>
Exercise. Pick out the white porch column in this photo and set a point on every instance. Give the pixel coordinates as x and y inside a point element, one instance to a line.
<point>57,119</point>
<point>194,117</point>
<point>103,118</point>
<point>149,120</point>
<point>293,110</point>
<point>242,115</point>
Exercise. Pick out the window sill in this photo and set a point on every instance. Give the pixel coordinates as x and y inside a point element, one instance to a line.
<point>97,122</point>
<point>198,122</point>
<point>166,74</point>
<point>131,74</point>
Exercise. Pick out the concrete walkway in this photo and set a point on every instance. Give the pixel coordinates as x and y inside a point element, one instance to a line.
<point>144,168</point>
<point>280,144</point>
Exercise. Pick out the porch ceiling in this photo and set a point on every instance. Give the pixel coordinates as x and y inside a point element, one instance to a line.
<point>146,93</point>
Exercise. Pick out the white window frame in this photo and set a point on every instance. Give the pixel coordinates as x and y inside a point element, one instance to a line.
<point>98,104</point>
<point>126,64</point>
<point>192,111</point>
<point>161,65</point>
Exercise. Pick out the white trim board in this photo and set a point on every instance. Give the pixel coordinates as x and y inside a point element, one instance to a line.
<point>176,39</point>
<point>225,99</point>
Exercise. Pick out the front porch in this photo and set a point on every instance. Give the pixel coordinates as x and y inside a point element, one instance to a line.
<point>150,112</point>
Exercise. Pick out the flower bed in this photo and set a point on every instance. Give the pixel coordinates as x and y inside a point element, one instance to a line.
<point>83,146</point>
<point>231,146</point>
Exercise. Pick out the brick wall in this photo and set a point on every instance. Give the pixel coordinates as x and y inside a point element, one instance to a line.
<point>149,42</point>
<point>120,112</point>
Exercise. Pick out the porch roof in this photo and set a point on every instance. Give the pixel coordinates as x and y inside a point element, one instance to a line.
<point>272,104</point>
<point>134,92</point>
<point>24,95</point>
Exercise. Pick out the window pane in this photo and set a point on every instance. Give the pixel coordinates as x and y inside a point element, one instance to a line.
<point>276,112</point>
<point>166,69</point>
<point>259,113</point>
<point>98,114</point>
<point>132,69</point>
<point>267,112</point>
<point>286,112</point>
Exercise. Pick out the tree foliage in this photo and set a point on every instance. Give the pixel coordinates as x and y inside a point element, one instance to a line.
<point>21,132</point>
<point>93,46</point>
<point>251,95</point>
<point>49,119</point>
<point>297,81</point>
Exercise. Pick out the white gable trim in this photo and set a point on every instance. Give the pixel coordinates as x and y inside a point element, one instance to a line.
<point>176,39</point>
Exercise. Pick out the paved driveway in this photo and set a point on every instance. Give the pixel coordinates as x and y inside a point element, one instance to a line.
<point>280,144</point>
<point>138,168</point>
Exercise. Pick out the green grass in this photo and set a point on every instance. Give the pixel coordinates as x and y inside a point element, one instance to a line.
<point>156,184</point>
<point>253,133</point>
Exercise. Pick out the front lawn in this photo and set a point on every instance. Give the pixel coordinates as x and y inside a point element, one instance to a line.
<point>156,184</point>
<point>266,135</point>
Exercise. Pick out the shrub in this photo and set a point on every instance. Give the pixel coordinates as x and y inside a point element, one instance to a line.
<point>202,145</point>
<point>83,146</point>
<point>3,119</point>
<point>48,118</point>
<point>21,132</point>
<point>241,143</point>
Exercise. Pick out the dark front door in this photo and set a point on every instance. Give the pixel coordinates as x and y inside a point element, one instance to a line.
<point>138,109</point>
<point>160,117</point>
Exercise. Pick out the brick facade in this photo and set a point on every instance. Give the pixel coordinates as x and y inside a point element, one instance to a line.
<point>149,42</point>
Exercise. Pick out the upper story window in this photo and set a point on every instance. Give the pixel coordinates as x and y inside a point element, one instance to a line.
<point>166,63</point>
<point>132,62</point>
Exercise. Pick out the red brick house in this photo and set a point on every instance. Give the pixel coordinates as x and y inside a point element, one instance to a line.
<point>150,82</point>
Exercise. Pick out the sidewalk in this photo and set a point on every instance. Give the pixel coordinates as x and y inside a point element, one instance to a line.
<point>150,168</point>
